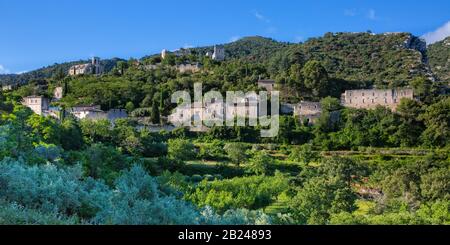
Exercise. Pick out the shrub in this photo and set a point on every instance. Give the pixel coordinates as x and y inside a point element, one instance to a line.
<point>181,149</point>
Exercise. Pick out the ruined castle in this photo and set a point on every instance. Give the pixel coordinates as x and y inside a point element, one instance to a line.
<point>89,68</point>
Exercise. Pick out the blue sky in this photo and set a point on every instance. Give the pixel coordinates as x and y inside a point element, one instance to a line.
<point>39,33</point>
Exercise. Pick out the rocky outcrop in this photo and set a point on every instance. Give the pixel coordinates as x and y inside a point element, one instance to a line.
<point>416,43</point>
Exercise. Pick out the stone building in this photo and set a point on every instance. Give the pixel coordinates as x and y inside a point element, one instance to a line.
<point>87,112</point>
<point>268,84</point>
<point>308,111</point>
<point>7,87</point>
<point>188,68</point>
<point>93,112</point>
<point>286,108</point>
<point>371,98</point>
<point>164,53</point>
<point>247,107</point>
<point>218,54</point>
<point>178,52</point>
<point>89,68</point>
<point>38,104</point>
<point>58,93</point>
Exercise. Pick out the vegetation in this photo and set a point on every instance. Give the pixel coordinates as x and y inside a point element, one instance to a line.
<point>439,56</point>
<point>353,166</point>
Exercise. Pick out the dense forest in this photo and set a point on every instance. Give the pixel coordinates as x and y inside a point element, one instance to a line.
<point>359,167</point>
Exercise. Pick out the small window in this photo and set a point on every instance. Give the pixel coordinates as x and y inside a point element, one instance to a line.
<point>364,101</point>
<point>362,94</point>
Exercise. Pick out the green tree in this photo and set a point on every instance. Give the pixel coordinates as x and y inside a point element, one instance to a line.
<point>45,129</point>
<point>181,149</point>
<point>71,135</point>
<point>303,154</point>
<point>260,163</point>
<point>154,114</point>
<point>319,198</point>
<point>330,104</point>
<point>105,162</point>
<point>437,122</point>
<point>129,107</point>
<point>315,78</point>
<point>236,152</point>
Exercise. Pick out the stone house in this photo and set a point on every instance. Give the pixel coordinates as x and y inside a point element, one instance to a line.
<point>38,104</point>
<point>371,98</point>
<point>7,87</point>
<point>87,112</point>
<point>308,111</point>
<point>93,112</point>
<point>268,84</point>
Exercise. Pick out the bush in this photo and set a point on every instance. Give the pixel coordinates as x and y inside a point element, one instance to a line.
<point>181,149</point>
<point>252,192</point>
<point>236,152</point>
<point>259,163</point>
<point>303,154</point>
<point>212,151</point>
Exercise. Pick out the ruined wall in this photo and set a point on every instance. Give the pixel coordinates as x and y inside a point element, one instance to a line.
<point>371,98</point>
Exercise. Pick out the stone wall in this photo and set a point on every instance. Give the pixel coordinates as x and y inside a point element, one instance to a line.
<point>371,98</point>
<point>307,110</point>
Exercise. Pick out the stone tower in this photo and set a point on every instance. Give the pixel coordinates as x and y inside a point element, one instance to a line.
<point>163,54</point>
<point>219,53</point>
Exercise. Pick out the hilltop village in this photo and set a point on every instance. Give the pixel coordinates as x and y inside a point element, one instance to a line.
<point>362,136</point>
<point>305,111</point>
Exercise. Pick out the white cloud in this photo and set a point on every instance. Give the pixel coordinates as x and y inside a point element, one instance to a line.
<point>372,14</point>
<point>187,46</point>
<point>269,28</point>
<point>234,38</point>
<point>438,35</point>
<point>3,70</point>
<point>260,17</point>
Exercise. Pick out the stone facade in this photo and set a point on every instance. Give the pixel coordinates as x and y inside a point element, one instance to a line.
<point>89,68</point>
<point>7,87</point>
<point>164,53</point>
<point>87,112</point>
<point>309,111</point>
<point>248,108</point>
<point>38,104</point>
<point>371,98</point>
<point>268,84</point>
<point>218,54</point>
<point>188,68</point>
<point>58,93</point>
<point>93,112</point>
